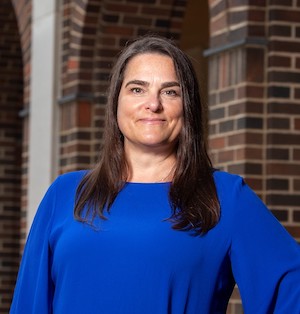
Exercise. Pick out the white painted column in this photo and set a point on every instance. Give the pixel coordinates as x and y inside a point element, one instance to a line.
<point>43,111</point>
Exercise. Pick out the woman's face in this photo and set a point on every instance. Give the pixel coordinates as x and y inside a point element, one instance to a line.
<point>150,109</point>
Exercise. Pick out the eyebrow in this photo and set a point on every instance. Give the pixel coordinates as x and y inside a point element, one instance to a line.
<point>144,83</point>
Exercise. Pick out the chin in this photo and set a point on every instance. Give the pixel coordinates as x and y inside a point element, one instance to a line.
<point>157,144</point>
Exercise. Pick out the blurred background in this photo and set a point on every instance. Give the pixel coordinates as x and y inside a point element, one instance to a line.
<point>55,61</point>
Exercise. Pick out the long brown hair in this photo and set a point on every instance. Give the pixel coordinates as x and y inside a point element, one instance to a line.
<point>192,194</point>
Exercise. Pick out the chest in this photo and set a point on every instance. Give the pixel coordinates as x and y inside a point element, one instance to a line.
<point>137,236</point>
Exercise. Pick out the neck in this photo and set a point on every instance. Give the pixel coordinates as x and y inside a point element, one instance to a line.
<point>150,167</point>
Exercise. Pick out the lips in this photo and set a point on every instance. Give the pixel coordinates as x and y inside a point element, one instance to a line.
<point>152,120</point>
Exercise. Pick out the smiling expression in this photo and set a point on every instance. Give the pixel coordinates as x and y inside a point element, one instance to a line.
<point>150,109</point>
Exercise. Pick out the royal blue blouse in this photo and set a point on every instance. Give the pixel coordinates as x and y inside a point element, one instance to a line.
<point>135,263</point>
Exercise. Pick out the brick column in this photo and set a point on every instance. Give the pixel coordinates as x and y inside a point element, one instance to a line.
<point>79,25</point>
<point>254,99</point>
<point>11,93</point>
<point>23,14</point>
<point>237,94</point>
<point>283,113</point>
<point>75,133</point>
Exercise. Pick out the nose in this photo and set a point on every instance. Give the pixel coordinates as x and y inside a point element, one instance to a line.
<point>153,103</point>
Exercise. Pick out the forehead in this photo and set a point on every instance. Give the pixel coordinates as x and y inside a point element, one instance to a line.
<point>150,63</point>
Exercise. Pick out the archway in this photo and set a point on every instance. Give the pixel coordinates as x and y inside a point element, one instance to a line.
<point>11,95</point>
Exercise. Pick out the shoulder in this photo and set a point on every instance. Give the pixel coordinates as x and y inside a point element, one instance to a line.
<point>228,181</point>
<point>73,177</point>
<point>67,183</point>
<point>230,187</point>
<point>236,195</point>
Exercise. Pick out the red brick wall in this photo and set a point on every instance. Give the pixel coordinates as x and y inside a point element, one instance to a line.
<point>283,113</point>
<point>254,99</point>
<point>22,10</point>
<point>255,103</point>
<point>10,151</point>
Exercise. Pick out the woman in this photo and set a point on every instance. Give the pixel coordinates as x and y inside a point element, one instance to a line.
<point>155,229</point>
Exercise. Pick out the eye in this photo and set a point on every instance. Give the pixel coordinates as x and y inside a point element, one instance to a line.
<point>171,92</point>
<point>136,90</point>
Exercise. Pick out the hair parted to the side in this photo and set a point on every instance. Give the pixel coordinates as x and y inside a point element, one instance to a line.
<point>192,195</point>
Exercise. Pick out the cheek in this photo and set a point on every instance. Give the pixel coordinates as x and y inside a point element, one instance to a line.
<point>178,113</point>
<point>120,110</point>
<point>122,117</point>
<point>180,120</point>
<point>123,109</point>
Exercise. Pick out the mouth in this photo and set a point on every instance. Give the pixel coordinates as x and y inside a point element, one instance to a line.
<point>152,121</point>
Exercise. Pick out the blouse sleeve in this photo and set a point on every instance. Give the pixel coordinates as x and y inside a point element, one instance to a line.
<point>265,258</point>
<point>34,288</point>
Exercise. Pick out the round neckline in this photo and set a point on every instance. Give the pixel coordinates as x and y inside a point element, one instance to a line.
<point>146,183</point>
